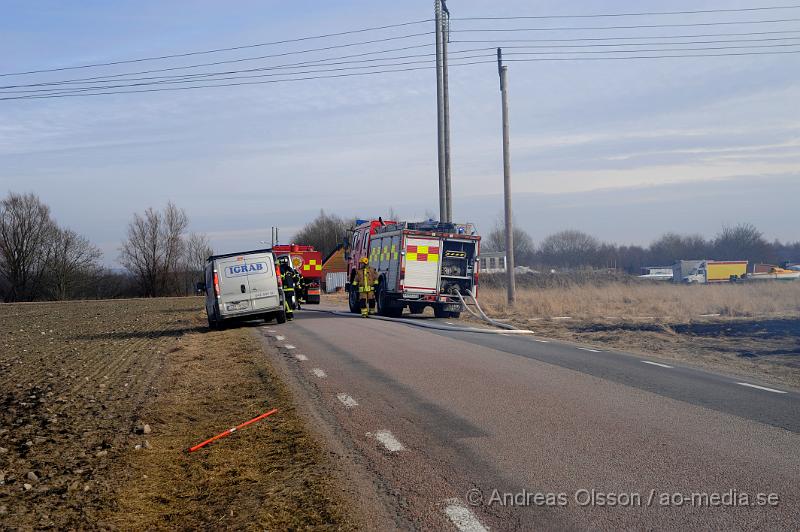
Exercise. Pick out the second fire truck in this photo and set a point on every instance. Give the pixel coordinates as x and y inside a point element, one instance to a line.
<point>308,262</point>
<point>419,265</point>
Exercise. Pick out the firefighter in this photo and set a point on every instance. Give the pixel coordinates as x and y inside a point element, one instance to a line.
<point>299,288</point>
<point>288,280</point>
<point>365,282</point>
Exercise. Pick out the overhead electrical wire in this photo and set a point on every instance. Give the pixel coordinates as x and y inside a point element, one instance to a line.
<point>632,27</point>
<point>629,37</point>
<point>637,14</point>
<point>218,50</point>
<point>109,77</point>
<point>384,71</point>
<point>319,68</point>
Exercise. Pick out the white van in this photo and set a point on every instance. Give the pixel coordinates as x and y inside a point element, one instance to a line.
<point>243,285</point>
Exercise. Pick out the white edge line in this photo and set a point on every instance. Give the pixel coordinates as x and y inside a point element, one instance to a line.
<point>541,341</point>
<point>591,350</point>
<point>388,440</point>
<point>656,364</point>
<point>461,516</point>
<point>346,400</point>
<point>760,387</point>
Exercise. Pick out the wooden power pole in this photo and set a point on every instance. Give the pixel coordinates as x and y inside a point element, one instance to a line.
<point>446,108</point>
<point>440,115</point>
<point>512,288</point>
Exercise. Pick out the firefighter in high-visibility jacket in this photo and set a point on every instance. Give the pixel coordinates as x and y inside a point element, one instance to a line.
<point>365,282</point>
<point>288,281</point>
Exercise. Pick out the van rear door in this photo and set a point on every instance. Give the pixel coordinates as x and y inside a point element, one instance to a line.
<point>234,287</point>
<point>263,281</point>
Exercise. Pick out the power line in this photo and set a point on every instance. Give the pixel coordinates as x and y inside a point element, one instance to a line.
<point>217,50</point>
<point>636,26</point>
<point>604,44</point>
<point>232,75</point>
<point>639,14</point>
<point>273,74</point>
<point>355,74</point>
<point>269,56</point>
<point>693,36</point>
<point>121,76</point>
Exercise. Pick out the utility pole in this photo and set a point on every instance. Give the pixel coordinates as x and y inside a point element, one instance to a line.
<point>440,115</point>
<point>446,98</point>
<point>512,288</point>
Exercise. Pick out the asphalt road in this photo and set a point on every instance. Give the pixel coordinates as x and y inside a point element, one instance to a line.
<point>451,430</point>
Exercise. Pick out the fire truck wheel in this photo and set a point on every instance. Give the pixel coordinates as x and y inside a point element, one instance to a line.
<point>352,301</point>
<point>416,308</point>
<point>383,303</point>
<point>440,312</point>
<point>455,315</point>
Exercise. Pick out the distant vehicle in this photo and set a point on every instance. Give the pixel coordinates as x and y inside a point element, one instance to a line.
<point>308,262</point>
<point>775,274</point>
<point>657,273</point>
<point>419,265</point>
<point>711,271</point>
<point>244,285</point>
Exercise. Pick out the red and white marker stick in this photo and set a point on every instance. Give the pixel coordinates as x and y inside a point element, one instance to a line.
<point>231,431</point>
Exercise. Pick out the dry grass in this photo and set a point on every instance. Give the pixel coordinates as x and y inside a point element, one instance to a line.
<point>676,302</point>
<point>747,329</point>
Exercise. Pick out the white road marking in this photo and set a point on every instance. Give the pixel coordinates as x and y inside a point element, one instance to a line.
<point>346,400</point>
<point>541,341</point>
<point>389,441</point>
<point>709,315</point>
<point>450,323</point>
<point>319,373</point>
<point>561,317</point>
<point>271,331</point>
<point>280,338</point>
<point>587,349</point>
<point>289,346</point>
<point>301,358</point>
<point>656,364</point>
<point>461,516</point>
<point>760,387</point>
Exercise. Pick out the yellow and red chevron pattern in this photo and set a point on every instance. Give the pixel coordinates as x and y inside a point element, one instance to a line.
<point>422,253</point>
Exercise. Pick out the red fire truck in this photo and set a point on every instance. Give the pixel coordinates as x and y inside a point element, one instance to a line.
<point>418,264</point>
<point>307,261</point>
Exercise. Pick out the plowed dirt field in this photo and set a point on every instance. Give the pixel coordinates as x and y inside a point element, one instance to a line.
<point>99,400</point>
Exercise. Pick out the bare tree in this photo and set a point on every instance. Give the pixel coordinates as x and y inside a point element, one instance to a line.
<point>569,249</point>
<point>26,237</point>
<point>325,232</point>
<point>672,247</point>
<point>154,248</point>
<point>73,263</point>
<point>523,243</point>
<point>198,249</point>
<point>743,242</point>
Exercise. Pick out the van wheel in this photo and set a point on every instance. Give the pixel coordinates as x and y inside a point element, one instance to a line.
<point>416,308</point>
<point>280,317</point>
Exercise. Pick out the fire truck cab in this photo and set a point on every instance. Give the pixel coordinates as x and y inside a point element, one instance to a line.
<point>419,265</point>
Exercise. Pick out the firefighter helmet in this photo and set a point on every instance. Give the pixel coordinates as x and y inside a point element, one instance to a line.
<point>364,260</point>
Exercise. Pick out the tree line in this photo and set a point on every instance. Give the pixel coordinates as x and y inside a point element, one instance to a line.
<point>572,249</point>
<point>40,260</point>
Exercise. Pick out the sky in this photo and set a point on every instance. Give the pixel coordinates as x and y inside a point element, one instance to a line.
<point>625,150</point>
